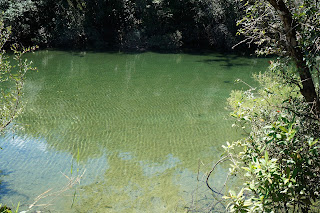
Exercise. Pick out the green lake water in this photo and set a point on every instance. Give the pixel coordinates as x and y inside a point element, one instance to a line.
<point>137,125</point>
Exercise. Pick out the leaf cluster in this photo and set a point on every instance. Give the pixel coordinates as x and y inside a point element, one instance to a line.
<point>12,77</point>
<point>280,157</point>
<point>131,24</point>
<point>264,28</point>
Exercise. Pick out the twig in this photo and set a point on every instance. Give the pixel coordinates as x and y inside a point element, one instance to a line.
<point>16,107</point>
<point>71,183</point>
<point>208,176</point>
<point>199,164</point>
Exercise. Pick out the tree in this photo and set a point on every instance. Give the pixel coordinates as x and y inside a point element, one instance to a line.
<point>124,24</point>
<point>279,160</point>
<point>17,14</point>
<point>12,79</point>
<point>290,29</point>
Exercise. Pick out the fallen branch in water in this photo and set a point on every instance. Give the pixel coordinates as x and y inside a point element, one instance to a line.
<point>209,174</point>
<point>72,181</point>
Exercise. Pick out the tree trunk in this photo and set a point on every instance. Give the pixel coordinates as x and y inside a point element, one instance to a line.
<point>308,89</point>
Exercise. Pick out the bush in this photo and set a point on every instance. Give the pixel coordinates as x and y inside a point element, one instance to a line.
<point>170,41</point>
<point>12,79</point>
<point>279,159</point>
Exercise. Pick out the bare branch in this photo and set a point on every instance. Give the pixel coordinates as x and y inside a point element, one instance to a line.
<point>209,174</point>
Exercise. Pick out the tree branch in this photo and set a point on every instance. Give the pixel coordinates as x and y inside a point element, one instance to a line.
<point>207,180</point>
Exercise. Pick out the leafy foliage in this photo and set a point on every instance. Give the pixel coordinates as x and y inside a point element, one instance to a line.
<point>279,160</point>
<point>12,78</point>
<point>126,24</point>
<point>5,209</point>
<point>263,26</point>
<point>289,29</point>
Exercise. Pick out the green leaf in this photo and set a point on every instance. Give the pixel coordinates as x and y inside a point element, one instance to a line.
<point>247,203</point>
<point>17,209</point>
<point>283,129</point>
<point>240,194</point>
<point>312,142</point>
<point>286,180</point>
<point>246,168</point>
<point>295,172</point>
<point>292,133</point>
<point>266,157</point>
<point>287,171</point>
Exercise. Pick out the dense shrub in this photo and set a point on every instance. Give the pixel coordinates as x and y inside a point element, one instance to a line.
<point>279,160</point>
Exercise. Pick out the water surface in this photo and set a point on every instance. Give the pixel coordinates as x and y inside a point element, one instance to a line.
<point>137,124</point>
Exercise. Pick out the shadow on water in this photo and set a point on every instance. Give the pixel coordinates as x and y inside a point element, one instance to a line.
<point>5,187</point>
<point>187,51</point>
<point>225,60</point>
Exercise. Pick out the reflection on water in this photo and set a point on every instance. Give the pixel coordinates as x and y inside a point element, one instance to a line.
<point>31,168</point>
<point>141,123</point>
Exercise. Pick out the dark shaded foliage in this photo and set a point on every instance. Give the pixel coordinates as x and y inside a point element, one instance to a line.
<point>123,24</point>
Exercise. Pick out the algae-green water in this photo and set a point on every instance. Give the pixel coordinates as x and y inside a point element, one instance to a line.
<point>141,129</point>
